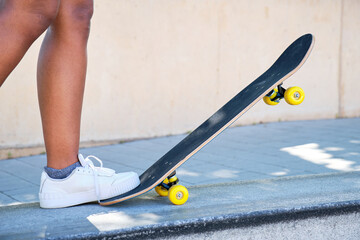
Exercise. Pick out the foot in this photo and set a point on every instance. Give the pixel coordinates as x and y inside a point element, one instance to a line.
<point>85,184</point>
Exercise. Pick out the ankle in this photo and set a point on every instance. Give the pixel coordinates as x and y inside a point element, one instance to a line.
<point>61,162</point>
<point>61,173</point>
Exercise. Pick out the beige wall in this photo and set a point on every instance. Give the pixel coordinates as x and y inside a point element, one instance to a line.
<point>162,67</point>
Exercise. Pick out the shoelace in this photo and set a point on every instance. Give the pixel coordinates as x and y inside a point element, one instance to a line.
<point>89,164</point>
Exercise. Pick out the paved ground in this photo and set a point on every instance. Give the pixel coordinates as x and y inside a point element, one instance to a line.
<point>254,175</point>
<point>261,151</point>
<point>211,208</point>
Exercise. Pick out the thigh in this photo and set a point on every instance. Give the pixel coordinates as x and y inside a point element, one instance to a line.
<point>30,6</point>
<point>37,14</point>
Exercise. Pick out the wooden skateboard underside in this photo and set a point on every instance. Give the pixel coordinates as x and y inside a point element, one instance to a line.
<point>286,65</point>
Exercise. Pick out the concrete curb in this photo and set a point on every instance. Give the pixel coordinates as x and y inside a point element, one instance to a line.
<point>223,222</point>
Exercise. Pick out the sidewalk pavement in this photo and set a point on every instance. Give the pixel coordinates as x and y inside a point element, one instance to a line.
<point>244,153</point>
<point>247,178</point>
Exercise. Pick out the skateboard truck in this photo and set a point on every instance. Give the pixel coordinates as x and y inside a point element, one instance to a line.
<point>170,181</point>
<point>292,95</point>
<point>177,194</point>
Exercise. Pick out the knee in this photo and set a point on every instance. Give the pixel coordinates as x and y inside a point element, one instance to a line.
<point>32,17</point>
<point>44,11</point>
<point>82,12</point>
<point>77,16</point>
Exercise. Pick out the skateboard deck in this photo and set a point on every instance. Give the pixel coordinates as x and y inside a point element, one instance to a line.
<point>286,65</point>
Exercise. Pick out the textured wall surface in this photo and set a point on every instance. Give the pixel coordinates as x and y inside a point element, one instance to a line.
<point>162,67</point>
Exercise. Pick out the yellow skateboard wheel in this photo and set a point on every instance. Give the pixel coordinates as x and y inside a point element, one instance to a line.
<point>268,101</point>
<point>178,194</point>
<point>161,191</point>
<point>294,95</point>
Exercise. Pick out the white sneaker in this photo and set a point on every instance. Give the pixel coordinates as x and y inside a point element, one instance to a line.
<point>85,184</point>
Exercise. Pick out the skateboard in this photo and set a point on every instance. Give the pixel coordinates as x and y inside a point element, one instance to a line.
<point>161,175</point>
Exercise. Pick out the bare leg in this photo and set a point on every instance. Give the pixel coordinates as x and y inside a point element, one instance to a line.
<point>61,77</point>
<point>21,23</point>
